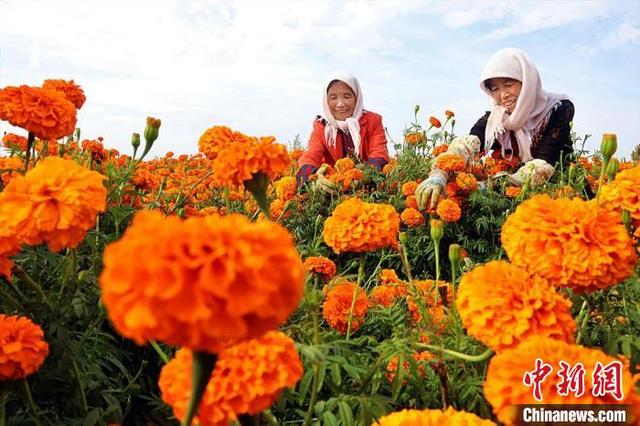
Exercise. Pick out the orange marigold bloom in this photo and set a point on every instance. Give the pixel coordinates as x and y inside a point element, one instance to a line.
<point>14,142</point>
<point>449,114</point>
<point>71,91</point>
<point>440,149</point>
<point>238,162</point>
<point>623,193</point>
<point>388,276</point>
<point>504,384</point>
<point>466,182</point>
<point>320,265</point>
<point>569,242</point>
<point>388,168</point>
<point>411,202</point>
<point>357,226</point>
<point>432,417</point>
<point>217,138</point>
<point>286,188</point>
<point>344,164</point>
<point>337,305</point>
<point>419,358</point>
<point>414,138</point>
<point>95,148</point>
<point>435,122</point>
<point>449,210</point>
<point>56,202</point>
<point>412,217</point>
<point>45,113</point>
<point>22,347</point>
<point>277,209</point>
<point>450,162</point>
<point>436,314</point>
<point>512,191</point>
<point>203,282</point>
<point>383,295</point>
<point>10,167</point>
<point>246,379</point>
<point>296,154</point>
<point>409,188</point>
<point>502,306</point>
<point>345,179</point>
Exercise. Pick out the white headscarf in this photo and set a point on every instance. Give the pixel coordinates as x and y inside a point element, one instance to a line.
<point>532,107</point>
<point>351,125</point>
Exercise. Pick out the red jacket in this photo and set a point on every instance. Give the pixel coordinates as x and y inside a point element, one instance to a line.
<point>373,143</point>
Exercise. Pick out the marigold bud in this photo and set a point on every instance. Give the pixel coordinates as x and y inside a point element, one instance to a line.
<point>454,254</point>
<point>437,229</point>
<point>135,140</point>
<point>609,145</point>
<point>613,168</point>
<point>416,109</point>
<point>403,238</point>
<point>151,131</point>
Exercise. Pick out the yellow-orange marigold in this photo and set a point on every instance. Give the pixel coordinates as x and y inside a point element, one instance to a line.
<point>449,114</point>
<point>286,188</point>
<point>504,385</point>
<point>440,149</point>
<point>624,192</point>
<point>383,295</point>
<point>409,188</point>
<point>216,138</point>
<point>450,162</point>
<point>56,202</point>
<point>432,417</point>
<point>277,209</point>
<point>420,359</point>
<point>320,265</point>
<point>344,164</point>
<point>22,347</point>
<point>502,306</point>
<point>246,379</point>
<point>411,202</point>
<point>9,168</point>
<point>435,122</point>
<point>431,298</point>
<point>569,242</point>
<point>512,191</point>
<point>337,305</point>
<point>71,91</point>
<point>412,217</point>
<point>414,138</point>
<point>357,226</point>
<point>203,282</point>
<point>449,210</point>
<point>45,113</point>
<point>389,167</point>
<point>466,182</point>
<point>14,142</point>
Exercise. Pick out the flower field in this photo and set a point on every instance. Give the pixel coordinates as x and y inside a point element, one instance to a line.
<point>146,288</point>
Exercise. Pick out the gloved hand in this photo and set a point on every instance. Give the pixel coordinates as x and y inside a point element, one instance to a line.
<point>534,172</point>
<point>431,187</point>
<point>323,184</point>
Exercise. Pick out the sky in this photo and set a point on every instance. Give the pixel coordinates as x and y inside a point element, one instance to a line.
<point>260,66</point>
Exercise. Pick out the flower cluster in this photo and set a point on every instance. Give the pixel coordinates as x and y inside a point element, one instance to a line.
<point>337,306</point>
<point>357,226</point>
<point>432,417</point>
<point>502,306</point>
<point>182,286</point>
<point>247,379</point>
<point>569,242</point>
<point>22,347</point>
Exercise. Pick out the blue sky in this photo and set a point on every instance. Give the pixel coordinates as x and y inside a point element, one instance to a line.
<point>260,67</point>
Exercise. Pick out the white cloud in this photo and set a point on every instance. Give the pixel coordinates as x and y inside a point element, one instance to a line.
<point>625,33</point>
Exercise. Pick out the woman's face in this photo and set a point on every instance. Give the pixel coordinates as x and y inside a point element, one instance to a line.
<point>505,92</point>
<point>341,100</point>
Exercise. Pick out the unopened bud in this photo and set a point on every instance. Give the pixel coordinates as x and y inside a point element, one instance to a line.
<point>609,145</point>
<point>416,109</point>
<point>135,140</point>
<point>613,168</point>
<point>403,238</point>
<point>437,229</point>
<point>454,254</point>
<point>151,131</point>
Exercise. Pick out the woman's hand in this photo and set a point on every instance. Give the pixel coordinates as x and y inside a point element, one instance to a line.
<point>431,188</point>
<point>323,184</point>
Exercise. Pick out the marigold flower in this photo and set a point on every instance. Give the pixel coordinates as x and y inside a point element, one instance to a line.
<point>440,149</point>
<point>411,202</point>
<point>623,193</point>
<point>286,188</point>
<point>414,138</point>
<point>571,243</point>
<point>45,113</point>
<point>344,164</point>
<point>22,347</point>
<point>449,210</point>
<point>450,162</point>
<point>320,265</point>
<point>14,142</point>
<point>409,188</point>
<point>9,168</point>
<point>502,306</point>
<point>277,209</point>
<point>388,168</point>
<point>239,162</point>
<point>357,226</point>
<point>435,122</point>
<point>466,182</point>
<point>504,384</point>
<point>246,379</point>
<point>56,202</point>
<point>216,138</point>
<point>345,179</point>
<point>71,91</point>
<point>388,276</point>
<point>432,417</point>
<point>204,282</point>
<point>449,114</point>
<point>420,358</point>
<point>337,305</point>
<point>95,149</point>
<point>383,295</point>
<point>512,191</point>
<point>431,300</point>
<point>412,217</point>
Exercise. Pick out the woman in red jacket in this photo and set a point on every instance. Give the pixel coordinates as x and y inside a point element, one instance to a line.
<point>345,130</point>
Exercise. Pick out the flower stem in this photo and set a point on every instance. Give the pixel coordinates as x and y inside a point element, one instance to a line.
<point>314,395</point>
<point>30,140</point>
<point>3,400</point>
<point>471,358</point>
<point>582,318</point>
<point>203,365</point>
<point>20,273</point>
<point>83,397</point>
<point>159,351</point>
<point>33,409</point>
<point>605,164</point>
<point>355,294</point>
